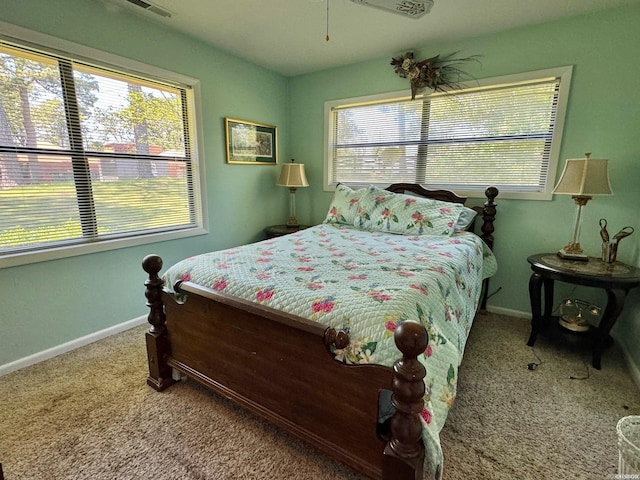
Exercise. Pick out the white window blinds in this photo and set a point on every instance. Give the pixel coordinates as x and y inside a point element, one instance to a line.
<point>89,154</point>
<point>504,135</point>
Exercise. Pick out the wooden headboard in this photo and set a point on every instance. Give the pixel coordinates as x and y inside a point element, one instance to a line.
<point>416,189</point>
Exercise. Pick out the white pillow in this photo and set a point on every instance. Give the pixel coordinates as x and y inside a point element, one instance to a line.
<point>466,218</point>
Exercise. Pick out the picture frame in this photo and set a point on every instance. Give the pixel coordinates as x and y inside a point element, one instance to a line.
<point>251,143</point>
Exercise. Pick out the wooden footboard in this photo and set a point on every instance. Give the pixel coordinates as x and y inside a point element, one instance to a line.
<point>279,366</point>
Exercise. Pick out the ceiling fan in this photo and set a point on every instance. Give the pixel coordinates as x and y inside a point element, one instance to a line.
<point>408,8</point>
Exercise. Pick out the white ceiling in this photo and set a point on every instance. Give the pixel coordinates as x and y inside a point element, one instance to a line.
<point>288,36</point>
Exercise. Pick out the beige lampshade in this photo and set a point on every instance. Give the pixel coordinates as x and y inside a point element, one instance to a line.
<point>292,175</point>
<point>584,177</point>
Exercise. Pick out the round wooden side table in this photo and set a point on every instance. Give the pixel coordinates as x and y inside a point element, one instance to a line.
<point>615,278</point>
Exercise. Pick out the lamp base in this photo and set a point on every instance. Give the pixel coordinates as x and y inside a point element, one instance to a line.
<point>581,256</point>
<point>292,222</point>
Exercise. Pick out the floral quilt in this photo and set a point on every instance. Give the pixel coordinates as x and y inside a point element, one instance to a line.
<point>365,283</point>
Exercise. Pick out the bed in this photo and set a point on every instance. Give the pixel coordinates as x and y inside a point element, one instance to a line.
<point>348,334</point>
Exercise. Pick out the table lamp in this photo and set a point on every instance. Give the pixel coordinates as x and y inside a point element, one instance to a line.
<point>582,179</point>
<point>292,176</point>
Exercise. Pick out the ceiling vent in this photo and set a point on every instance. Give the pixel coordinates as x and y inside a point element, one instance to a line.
<point>150,7</point>
<point>408,8</point>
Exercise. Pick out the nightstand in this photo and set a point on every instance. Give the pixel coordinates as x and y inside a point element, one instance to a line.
<point>279,230</point>
<point>615,278</point>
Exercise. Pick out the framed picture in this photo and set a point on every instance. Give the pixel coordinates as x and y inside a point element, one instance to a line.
<point>251,143</point>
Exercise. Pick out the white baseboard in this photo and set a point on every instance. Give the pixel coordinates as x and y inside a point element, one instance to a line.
<point>509,312</point>
<point>107,332</point>
<point>72,345</point>
<point>633,367</point>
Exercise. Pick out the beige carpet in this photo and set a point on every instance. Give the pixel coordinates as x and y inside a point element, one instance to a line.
<point>88,414</point>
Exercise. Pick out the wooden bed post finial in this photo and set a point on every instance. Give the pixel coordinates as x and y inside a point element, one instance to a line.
<point>489,215</point>
<point>152,264</point>
<point>157,346</point>
<point>404,453</point>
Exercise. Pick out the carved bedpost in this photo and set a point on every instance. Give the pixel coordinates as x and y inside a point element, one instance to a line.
<point>157,347</point>
<point>488,216</point>
<point>404,453</point>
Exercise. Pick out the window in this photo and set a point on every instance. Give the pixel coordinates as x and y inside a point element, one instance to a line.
<point>504,132</point>
<point>91,156</point>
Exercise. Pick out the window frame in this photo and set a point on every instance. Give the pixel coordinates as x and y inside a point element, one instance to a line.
<point>564,73</point>
<point>56,46</point>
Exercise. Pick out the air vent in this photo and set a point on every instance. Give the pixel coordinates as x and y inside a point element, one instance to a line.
<point>408,8</point>
<point>150,7</point>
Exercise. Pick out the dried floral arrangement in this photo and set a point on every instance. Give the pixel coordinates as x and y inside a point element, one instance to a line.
<point>439,73</point>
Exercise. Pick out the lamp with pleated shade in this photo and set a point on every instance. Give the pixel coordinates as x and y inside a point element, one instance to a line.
<point>582,178</point>
<point>292,176</point>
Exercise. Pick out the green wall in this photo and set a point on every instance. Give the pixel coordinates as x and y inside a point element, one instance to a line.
<point>46,304</point>
<point>49,303</point>
<point>603,117</point>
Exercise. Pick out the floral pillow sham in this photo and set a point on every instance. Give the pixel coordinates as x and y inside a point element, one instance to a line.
<point>383,211</point>
<point>344,205</point>
<point>375,209</point>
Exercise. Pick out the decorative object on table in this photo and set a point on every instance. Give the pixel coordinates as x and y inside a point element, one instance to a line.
<point>292,176</point>
<point>582,179</point>
<point>251,143</point>
<point>439,73</point>
<point>575,315</point>
<point>408,8</point>
<point>610,247</point>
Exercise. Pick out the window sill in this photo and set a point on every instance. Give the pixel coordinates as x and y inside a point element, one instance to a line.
<point>25,258</point>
